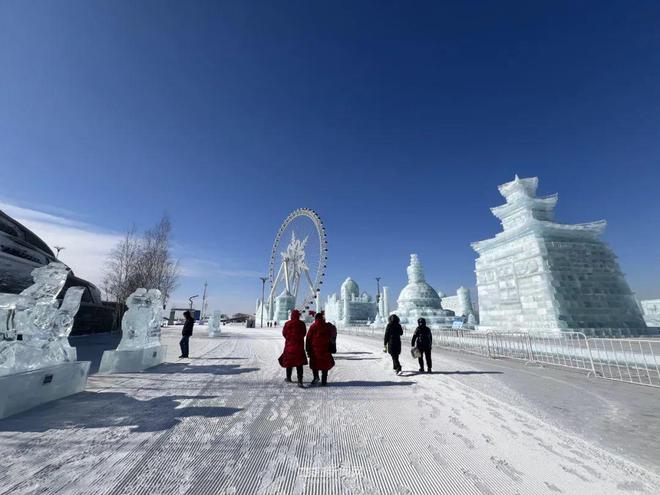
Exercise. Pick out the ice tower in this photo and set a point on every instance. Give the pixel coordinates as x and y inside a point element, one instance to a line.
<point>539,275</point>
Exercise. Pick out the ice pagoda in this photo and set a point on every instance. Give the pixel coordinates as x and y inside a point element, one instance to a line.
<point>542,276</point>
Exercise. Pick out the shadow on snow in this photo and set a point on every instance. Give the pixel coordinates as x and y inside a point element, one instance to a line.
<point>366,383</point>
<point>350,358</point>
<point>112,409</point>
<point>185,368</point>
<point>415,373</point>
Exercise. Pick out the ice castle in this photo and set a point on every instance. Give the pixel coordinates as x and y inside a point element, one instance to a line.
<point>539,275</point>
<point>351,307</point>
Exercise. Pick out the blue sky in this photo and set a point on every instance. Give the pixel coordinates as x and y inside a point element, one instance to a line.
<point>394,120</point>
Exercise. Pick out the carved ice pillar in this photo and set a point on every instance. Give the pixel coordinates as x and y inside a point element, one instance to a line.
<point>214,324</point>
<point>464,301</point>
<point>347,311</point>
<point>385,301</point>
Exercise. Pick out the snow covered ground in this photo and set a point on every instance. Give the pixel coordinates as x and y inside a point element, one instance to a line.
<point>225,422</point>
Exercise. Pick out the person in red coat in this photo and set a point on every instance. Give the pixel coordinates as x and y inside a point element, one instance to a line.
<point>321,343</point>
<point>294,347</point>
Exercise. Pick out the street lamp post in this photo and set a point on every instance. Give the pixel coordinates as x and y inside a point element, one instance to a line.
<point>191,300</point>
<point>58,248</point>
<point>263,287</point>
<point>377,289</point>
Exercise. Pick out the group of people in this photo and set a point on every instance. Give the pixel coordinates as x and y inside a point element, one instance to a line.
<point>317,346</point>
<point>421,343</point>
<point>314,347</point>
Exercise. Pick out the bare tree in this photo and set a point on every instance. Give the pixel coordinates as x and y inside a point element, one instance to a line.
<point>156,268</point>
<point>142,262</point>
<point>120,274</point>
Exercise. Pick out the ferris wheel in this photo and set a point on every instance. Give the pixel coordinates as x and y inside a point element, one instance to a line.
<point>296,269</point>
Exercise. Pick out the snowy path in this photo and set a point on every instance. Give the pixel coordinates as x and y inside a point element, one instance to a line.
<point>225,422</point>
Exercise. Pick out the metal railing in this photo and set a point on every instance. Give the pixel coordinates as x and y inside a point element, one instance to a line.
<point>509,345</point>
<point>565,349</point>
<point>628,360</point>
<point>460,340</point>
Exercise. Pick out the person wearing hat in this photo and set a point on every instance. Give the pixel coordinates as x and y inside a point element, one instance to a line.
<point>423,340</point>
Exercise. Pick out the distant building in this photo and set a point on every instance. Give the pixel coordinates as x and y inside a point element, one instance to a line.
<point>460,304</point>
<point>351,307</point>
<point>21,251</point>
<point>539,275</point>
<point>651,311</point>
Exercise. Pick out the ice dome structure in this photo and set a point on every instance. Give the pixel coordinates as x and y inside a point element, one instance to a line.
<point>419,300</point>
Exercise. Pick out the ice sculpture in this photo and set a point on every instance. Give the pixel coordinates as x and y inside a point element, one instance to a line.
<point>35,326</point>
<point>351,308</point>
<point>542,276</point>
<point>214,324</point>
<point>419,300</point>
<point>141,323</point>
<point>37,364</point>
<point>140,346</point>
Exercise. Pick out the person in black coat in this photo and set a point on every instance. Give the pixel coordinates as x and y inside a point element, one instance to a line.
<point>423,340</point>
<point>186,333</point>
<point>393,334</point>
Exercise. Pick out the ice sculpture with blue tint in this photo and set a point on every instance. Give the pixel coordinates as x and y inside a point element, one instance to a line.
<point>140,346</point>
<point>35,326</point>
<point>141,324</point>
<point>214,324</point>
<point>37,364</point>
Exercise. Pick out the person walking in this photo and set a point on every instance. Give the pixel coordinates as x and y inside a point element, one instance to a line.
<point>186,333</point>
<point>294,347</point>
<point>320,344</point>
<point>423,340</point>
<point>392,343</point>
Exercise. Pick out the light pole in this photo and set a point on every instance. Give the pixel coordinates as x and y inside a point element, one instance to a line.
<point>204,301</point>
<point>191,301</point>
<point>58,248</point>
<point>263,287</point>
<point>377,289</point>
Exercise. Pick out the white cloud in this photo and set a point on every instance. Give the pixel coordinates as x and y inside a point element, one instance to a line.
<point>86,246</point>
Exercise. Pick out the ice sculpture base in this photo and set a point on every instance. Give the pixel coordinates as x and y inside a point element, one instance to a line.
<point>132,360</point>
<point>214,333</point>
<point>25,390</point>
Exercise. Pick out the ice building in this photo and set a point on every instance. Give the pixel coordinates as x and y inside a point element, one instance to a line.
<point>538,275</point>
<point>280,310</point>
<point>351,307</point>
<point>651,311</point>
<point>460,304</point>
<point>419,300</point>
